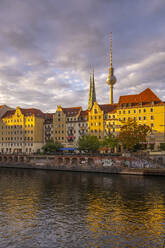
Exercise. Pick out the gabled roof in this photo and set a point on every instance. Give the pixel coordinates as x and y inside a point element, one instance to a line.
<point>84,113</point>
<point>107,108</point>
<point>73,111</point>
<point>145,96</point>
<point>26,112</point>
<point>48,115</point>
<point>30,111</point>
<point>9,113</point>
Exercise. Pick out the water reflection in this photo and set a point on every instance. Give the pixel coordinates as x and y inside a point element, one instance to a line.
<point>60,209</point>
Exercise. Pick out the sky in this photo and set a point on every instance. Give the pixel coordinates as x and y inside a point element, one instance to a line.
<point>48,47</point>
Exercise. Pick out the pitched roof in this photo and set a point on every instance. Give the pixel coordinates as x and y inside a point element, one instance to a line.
<point>145,96</point>
<point>48,115</point>
<point>26,112</point>
<point>73,111</point>
<point>107,108</point>
<point>84,112</point>
<point>8,113</point>
<point>31,111</point>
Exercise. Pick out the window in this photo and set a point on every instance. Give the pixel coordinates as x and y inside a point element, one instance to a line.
<point>124,112</point>
<point>152,125</point>
<point>152,117</point>
<point>95,111</point>
<point>113,116</point>
<point>140,118</point>
<point>134,111</point>
<point>129,111</point>
<point>144,110</point>
<point>95,117</point>
<point>151,110</point>
<point>144,118</point>
<point>119,112</point>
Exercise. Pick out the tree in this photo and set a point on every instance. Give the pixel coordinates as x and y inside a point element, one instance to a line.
<point>88,143</point>
<point>162,146</point>
<point>132,134</point>
<point>109,141</point>
<point>51,147</point>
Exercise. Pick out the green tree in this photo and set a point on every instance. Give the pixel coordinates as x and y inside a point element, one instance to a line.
<point>132,134</point>
<point>88,143</point>
<point>162,146</point>
<point>110,141</point>
<point>51,147</point>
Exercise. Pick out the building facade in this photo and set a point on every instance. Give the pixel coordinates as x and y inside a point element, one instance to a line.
<point>48,128</point>
<point>21,131</point>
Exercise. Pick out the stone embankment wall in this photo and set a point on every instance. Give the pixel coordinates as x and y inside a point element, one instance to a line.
<point>105,164</point>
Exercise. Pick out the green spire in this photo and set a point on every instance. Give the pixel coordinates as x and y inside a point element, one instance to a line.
<point>92,92</point>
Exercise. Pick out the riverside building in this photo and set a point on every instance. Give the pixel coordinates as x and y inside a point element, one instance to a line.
<point>69,124</point>
<point>21,131</point>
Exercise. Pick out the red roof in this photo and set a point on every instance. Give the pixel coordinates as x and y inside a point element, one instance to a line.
<point>9,113</point>
<point>48,115</point>
<point>73,111</point>
<point>84,113</point>
<point>145,96</point>
<point>26,112</point>
<point>107,108</point>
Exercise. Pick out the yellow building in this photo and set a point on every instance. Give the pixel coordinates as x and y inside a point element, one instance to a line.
<point>99,119</point>
<point>21,131</point>
<point>146,108</point>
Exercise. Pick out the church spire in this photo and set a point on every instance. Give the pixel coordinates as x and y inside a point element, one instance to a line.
<point>111,79</point>
<point>92,92</point>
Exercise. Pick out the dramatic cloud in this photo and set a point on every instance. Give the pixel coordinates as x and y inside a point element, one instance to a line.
<point>47,49</point>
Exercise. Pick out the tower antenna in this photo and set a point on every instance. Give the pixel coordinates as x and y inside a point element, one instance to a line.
<point>111,50</point>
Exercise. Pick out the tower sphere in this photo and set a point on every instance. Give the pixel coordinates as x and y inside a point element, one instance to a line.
<point>111,80</point>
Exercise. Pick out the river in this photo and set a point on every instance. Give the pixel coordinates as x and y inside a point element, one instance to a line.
<point>51,209</point>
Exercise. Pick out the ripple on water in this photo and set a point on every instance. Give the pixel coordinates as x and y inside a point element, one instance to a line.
<point>60,209</point>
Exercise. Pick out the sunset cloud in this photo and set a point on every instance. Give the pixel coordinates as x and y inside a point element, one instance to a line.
<point>47,49</point>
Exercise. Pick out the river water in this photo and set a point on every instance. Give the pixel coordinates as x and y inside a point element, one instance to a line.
<point>66,210</point>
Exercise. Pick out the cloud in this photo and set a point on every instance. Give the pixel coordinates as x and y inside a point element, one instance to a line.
<point>47,49</point>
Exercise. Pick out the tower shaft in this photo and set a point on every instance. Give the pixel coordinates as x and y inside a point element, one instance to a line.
<point>111,79</point>
<point>111,94</point>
